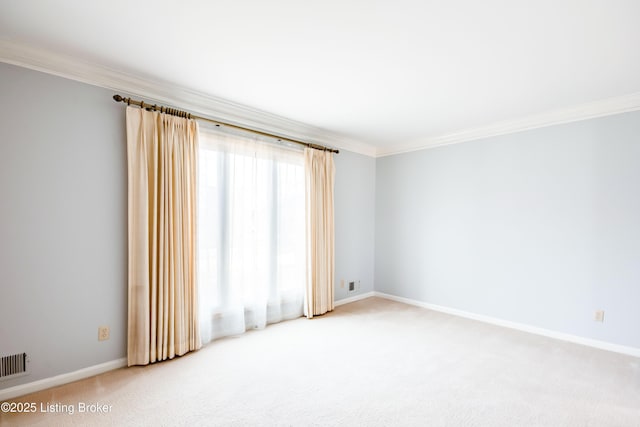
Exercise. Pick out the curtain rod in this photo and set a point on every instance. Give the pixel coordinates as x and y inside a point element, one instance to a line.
<point>179,113</point>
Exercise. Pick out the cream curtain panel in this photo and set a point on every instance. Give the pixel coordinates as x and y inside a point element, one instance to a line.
<point>319,181</point>
<point>162,155</point>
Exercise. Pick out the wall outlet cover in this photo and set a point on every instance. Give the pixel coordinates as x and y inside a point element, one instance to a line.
<point>599,316</point>
<point>103,333</point>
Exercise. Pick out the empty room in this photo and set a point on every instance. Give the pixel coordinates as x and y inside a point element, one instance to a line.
<point>332,213</point>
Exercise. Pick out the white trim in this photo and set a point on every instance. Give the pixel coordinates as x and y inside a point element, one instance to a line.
<point>164,92</point>
<point>353,299</point>
<point>603,345</point>
<point>32,387</point>
<point>585,111</point>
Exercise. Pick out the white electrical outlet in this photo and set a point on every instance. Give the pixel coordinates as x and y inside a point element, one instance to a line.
<point>342,283</point>
<point>103,333</point>
<point>599,316</point>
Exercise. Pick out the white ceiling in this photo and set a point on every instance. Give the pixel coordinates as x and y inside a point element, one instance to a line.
<point>395,75</point>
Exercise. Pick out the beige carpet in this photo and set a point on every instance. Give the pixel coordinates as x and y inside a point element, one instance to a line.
<point>370,363</point>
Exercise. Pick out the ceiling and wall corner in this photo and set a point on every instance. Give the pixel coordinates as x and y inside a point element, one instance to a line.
<point>170,94</point>
<point>376,78</point>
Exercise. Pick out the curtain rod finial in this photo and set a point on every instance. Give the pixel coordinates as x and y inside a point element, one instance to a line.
<point>117,98</point>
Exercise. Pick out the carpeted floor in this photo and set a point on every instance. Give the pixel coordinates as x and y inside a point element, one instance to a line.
<point>370,363</point>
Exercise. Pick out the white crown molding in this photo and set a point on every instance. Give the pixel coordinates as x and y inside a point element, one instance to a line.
<point>603,345</point>
<point>589,110</point>
<point>164,92</point>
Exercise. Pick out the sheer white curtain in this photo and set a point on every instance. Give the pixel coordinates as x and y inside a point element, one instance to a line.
<point>251,219</point>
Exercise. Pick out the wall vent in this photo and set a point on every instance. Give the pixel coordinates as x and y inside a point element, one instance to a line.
<point>12,366</point>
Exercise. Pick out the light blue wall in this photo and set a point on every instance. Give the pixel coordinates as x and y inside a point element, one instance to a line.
<point>354,200</point>
<point>63,223</point>
<point>539,227</point>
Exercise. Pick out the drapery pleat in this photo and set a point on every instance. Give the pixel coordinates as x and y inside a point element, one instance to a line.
<point>163,300</point>
<point>319,181</point>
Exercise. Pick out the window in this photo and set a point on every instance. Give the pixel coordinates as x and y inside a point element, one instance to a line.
<point>251,233</point>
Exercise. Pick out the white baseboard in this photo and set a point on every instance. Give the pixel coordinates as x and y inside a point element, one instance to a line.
<point>353,299</point>
<point>603,345</point>
<point>32,387</point>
